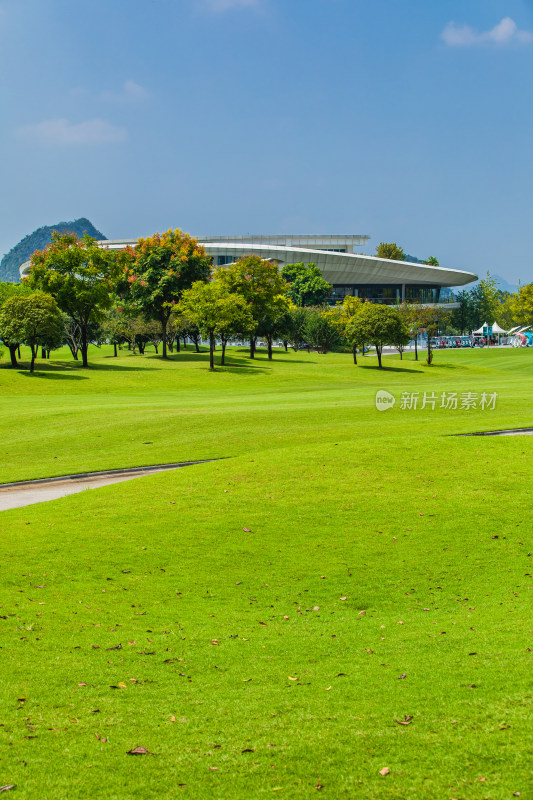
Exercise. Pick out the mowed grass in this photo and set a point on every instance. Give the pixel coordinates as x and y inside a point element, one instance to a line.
<point>384,573</point>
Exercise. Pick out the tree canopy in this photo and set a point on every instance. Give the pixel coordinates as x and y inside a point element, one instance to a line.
<point>377,324</point>
<point>391,251</point>
<point>307,287</point>
<point>31,319</point>
<point>158,270</point>
<point>261,285</point>
<point>80,275</point>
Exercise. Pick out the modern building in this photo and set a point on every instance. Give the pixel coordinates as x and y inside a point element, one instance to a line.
<point>350,272</point>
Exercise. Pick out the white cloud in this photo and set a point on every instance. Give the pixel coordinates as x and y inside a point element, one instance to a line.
<point>505,32</point>
<point>226,5</point>
<point>64,132</point>
<point>131,92</point>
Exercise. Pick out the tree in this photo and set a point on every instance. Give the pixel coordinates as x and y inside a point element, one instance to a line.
<point>485,301</point>
<point>8,290</point>
<point>320,332</point>
<point>522,305</point>
<point>216,311</point>
<point>432,261</point>
<point>158,270</point>
<point>379,324</point>
<point>262,287</point>
<point>33,319</point>
<point>80,275</point>
<point>391,251</point>
<point>463,317</point>
<point>341,314</point>
<point>430,319</point>
<point>307,287</point>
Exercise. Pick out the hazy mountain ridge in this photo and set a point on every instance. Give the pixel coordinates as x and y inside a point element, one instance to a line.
<point>21,252</point>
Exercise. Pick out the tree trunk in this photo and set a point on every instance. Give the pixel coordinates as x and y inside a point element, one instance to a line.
<point>33,349</point>
<point>253,341</point>
<point>196,345</point>
<point>223,356</point>
<point>184,342</point>
<point>164,332</point>
<point>156,348</point>
<point>378,352</point>
<point>211,350</point>
<point>84,345</point>
<point>115,352</point>
<point>269,347</point>
<point>354,351</point>
<point>401,355</point>
<point>13,355</point>
<point>286,345</point>
<point>18,348</point>
<point>430,353</point>
<point>178,345</point>
<point>416,345</point>
<point>141,348</point>
<point>43,352</point>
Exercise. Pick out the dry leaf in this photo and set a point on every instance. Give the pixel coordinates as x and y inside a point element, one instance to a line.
<point>327,690</point>
<point>248,750</point>
<point>405,721</point>
<point>8,787</point>
<point>384,771</point>
<point>139,751</point>
<point>343,598</point>
<point>402,676</point>
<point>122,685</point>
<point>173,719</point>
<point>213,768</point>
<point>292,679</point>
<point>247,530</point>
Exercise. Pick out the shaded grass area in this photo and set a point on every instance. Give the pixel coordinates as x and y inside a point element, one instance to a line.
<point>368,587</point>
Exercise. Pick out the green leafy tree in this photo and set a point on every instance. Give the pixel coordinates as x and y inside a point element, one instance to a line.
<point>216,311</point>
<point>463,318</point>
<point>80,275</point>
<point>522,305</point>
<point>34,320</point>
<point>320,332</point>
<point>430,320</point>
<point>378,324</point>
<point>485,301</point>
<point>432,261</point>
<point>341,314</point>
<point>307,287</point>
<point>391,251</point>
<point>262,287</point>
<point>158,270</point>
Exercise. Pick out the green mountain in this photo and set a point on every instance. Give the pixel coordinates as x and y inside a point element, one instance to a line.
<point>9,266</point>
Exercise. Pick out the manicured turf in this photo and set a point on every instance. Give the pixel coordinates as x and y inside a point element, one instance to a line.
<point>384,573</point>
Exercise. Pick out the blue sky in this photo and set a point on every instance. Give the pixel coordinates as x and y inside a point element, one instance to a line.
<point>407,120</point>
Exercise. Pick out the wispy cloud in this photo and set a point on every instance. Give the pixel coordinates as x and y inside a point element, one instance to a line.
<point>64,132</point>
<point>227,5</point>
<point>504,33</point>
<point>131,92</point>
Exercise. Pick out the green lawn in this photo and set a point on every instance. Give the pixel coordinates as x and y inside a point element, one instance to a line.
<point>385,573</point>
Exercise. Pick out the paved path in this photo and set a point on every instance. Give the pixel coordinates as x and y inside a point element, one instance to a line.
<point>26,493</point>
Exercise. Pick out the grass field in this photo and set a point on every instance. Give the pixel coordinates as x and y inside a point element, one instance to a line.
<point>279,611</point>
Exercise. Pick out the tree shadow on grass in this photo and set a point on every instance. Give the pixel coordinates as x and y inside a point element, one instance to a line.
<point>62,376</point>
<point>375,368</point>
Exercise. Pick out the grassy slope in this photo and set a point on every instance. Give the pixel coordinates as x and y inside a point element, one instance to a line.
<point>396,516</point>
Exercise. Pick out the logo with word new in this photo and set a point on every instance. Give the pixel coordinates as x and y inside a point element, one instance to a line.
<point>384,400</point>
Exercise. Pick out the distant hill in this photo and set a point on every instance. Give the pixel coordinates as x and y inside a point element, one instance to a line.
<point>9,266</point>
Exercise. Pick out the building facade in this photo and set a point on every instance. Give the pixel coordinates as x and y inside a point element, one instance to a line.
<point>378,280</point>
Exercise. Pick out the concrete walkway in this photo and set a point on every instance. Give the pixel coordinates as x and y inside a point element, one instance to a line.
<point>26,493</point>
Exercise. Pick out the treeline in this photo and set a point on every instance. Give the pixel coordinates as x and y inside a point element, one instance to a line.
<point>487,303</point>
<point>165,292</point>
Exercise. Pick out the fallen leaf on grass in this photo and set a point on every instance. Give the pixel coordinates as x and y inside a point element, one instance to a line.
<point>262,623</point>
<point>405,721</point>
<point>213,768</point>
<point>384,771</point>
<point>482,780</point>
<point>248,750</point>
<point>122,685</point>
<point>402,676</point>
<point>247,530</point>
<point>139,751</point>
<point>82,684</point>
<point>292,679</point>
<point>8,787</point>
<point>117,647</point>
<point>327,690</point>
<point>318,785</point>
